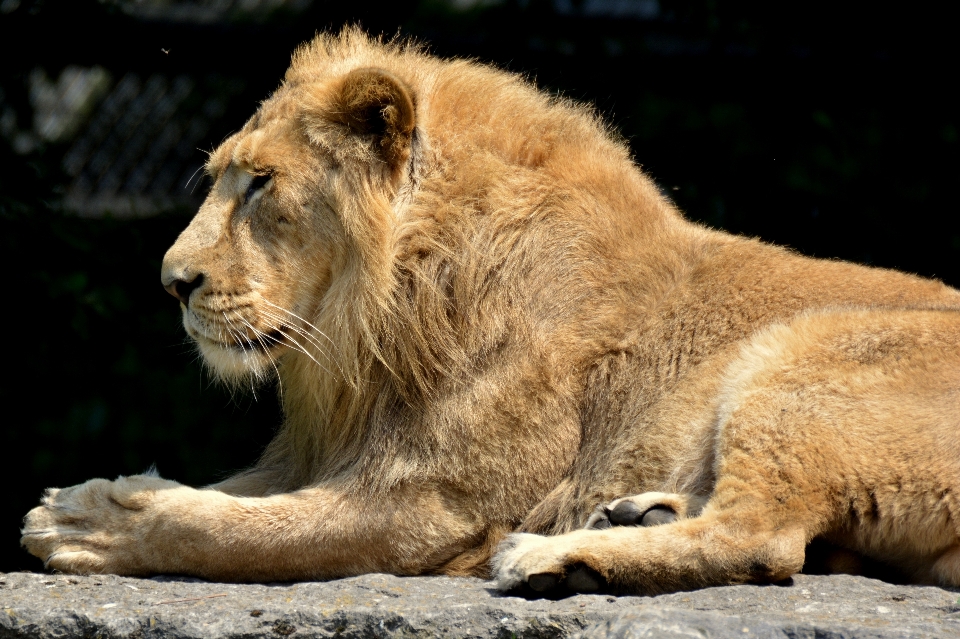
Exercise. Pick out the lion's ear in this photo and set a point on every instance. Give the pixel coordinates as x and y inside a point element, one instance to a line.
<point>374,104</point>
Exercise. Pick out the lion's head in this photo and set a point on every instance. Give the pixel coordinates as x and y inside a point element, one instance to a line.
<point>300,208</point>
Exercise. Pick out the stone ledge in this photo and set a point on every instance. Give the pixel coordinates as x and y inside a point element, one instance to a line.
<point>42,605</point>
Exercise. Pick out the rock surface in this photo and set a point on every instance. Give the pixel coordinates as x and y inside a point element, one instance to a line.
<point>43,605</point>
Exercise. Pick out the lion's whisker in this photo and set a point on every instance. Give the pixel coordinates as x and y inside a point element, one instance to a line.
<point>187,185</point>
<point>308,323</point>
<point>237,337</point>
<point>307,336</point>
<point>260,335</point>
<point>239,341</point>
<point>300,331</point>
<point>304,351</point>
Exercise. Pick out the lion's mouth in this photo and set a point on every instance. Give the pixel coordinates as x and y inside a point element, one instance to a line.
<point>262,342</point>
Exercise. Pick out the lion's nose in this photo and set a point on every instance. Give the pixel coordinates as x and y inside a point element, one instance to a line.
<point>181,289</point>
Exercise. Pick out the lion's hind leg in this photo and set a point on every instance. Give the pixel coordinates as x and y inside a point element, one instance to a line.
<point>766,505</point>
<point>740,545</point>
<point>842,427</point>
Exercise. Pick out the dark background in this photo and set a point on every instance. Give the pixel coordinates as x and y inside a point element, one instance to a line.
<point>830,127</point>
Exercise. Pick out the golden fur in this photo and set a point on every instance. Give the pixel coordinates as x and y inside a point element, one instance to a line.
<point>483,317</point>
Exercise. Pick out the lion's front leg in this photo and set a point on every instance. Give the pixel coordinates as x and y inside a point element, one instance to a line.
<point>105,526</point>
<point>145,525</point>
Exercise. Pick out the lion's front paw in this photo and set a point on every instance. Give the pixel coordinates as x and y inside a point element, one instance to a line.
<point>95,527</point>
<point>544,566</point>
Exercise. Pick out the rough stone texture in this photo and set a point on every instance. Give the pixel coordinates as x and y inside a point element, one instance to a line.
<point>43,605</point>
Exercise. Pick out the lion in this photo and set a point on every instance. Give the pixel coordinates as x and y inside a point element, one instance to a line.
<point>503,352</point>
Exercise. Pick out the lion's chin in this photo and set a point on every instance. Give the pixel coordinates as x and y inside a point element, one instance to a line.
<point>233,364</point>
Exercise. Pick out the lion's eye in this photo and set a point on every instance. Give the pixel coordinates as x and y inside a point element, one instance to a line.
<point>258,182</point>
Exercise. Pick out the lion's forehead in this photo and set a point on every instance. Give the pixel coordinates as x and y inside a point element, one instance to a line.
<point>267,145</point>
